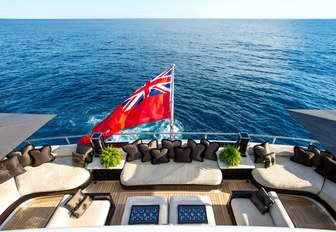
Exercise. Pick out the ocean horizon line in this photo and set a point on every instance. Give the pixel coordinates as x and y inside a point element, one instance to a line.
<point>102,18</point>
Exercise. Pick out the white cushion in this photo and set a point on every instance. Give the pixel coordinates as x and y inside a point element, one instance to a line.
<point>328,193</point>
<point>54,176</point>
<point>95,215</point>
<point>280,150</point>
<point>247,214</point>
<point>287,174</point>
<point>198,173</point>
<point>63,150</point>
<point>190,200</point>
<point>8,194</point>
<point>279,213</point>
<point>146,200</point>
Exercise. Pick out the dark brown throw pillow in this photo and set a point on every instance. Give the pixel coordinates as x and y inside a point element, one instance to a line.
<point>197,150</point>
<point>262,194</point>
<point>82,207</point>
<point>159,156</point>
<point>317,161</point>
<point>302,156</point>
<point>258,203</point>
<point>145,150</point>
<point>270,160</point>
<point>84,149</point>
<point>328,169</point>
<point>75,200</point>
<point>10,163</point>
<point>24,160</point>
<point>41,156</point>
<point>210,149</point>
<point>4,175</point>
<point>260,151</point>
<point>132,150</point>
<point>14,153</point>
<point>28,161</point>
<point>170,145</point>
<point>191,143</point>
<point>182,155</point>
<point>13,167</point>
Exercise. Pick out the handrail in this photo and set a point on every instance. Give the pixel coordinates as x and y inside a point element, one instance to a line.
<point>205,134</point>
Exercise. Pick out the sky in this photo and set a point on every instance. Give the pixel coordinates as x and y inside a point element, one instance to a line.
<point>168,9</point>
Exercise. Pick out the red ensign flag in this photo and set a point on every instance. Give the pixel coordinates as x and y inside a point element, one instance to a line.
<point>148,104</point>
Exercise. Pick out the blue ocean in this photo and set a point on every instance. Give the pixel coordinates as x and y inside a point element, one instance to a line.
<point>230,75</point>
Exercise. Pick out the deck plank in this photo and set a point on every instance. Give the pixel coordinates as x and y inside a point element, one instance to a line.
<point>306,213</point>
<point>35,214</point>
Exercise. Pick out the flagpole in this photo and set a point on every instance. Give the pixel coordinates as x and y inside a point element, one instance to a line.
<point>172,104</point>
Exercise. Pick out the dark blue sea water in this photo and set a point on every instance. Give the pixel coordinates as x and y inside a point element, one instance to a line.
<point>230,75</point>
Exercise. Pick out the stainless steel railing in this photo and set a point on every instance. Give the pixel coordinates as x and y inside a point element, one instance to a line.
<point>274,138</point>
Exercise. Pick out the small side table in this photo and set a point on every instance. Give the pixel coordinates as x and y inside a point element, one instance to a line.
<point>241,171</point>
<point>99,172</point>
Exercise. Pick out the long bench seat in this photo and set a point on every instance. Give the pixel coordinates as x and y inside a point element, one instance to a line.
<point>137,173</point>
<point>290,176</point>
<point>55,176</point>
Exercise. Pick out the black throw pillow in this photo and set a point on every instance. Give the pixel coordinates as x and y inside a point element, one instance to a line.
<point>302,156</point>
<point>260,151</point>
<point>262,194</point>
<point>170,145</point>
<point>328,169</point>
<point>258,203</point>
<point>182,155</point>
<point>132,150</point>
<point>197,150</point>
<point>10,167</point>
<point>261,200</point>
<point>210,149</point>
<point>145,150</point>
<point>270,160</point>
<point>317,161</point>
<point>4,175</point>
<point>41,156</point>
<point>25,159</point>
<point>159,156</point>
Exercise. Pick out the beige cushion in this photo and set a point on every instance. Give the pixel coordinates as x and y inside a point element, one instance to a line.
<point>55,176</point>
<point>190,200</point>
<point>328,193</point>
<point>287,174</point>
<point>246,214</point>
<point>95,215</point>
<point>147,200</point>
<point>63,150</point>
<point>199,173</point>
<point>8,194</point>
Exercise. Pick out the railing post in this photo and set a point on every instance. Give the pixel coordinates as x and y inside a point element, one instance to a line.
<point>274,139</point>
<point>67,140</point>
<point>206,136</point>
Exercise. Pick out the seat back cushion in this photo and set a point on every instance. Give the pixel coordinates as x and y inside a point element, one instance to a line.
<point>279,213</point>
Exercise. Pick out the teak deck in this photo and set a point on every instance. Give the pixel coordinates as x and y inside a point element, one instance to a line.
<point>304,212</point>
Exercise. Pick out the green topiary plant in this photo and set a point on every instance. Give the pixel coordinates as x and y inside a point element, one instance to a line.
<point>230,156</point>
<point>110,157</point>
